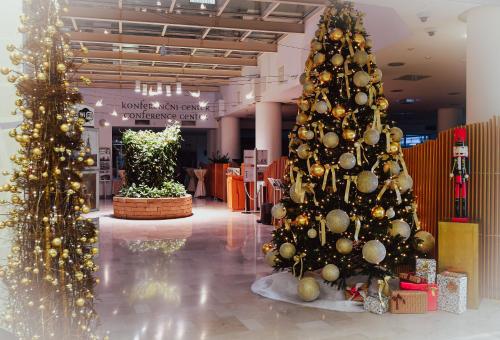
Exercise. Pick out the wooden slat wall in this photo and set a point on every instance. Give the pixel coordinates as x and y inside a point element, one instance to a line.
<point>430,163</point>
<point>274,170</point>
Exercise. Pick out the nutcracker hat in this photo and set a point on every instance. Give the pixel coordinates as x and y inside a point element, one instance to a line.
<point>460,135</point>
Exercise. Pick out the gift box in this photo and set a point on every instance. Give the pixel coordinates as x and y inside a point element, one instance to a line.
<point>408,302</point>
<point>377,305</point>
<point>412,277</point>
<point>426,268</point>
<point>430,288</point>
<point>388,285</point>
<point>356,293</point>
<point>452,292</point>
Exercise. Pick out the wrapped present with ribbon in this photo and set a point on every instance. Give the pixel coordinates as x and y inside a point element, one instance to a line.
<point>412,277</point>
<point>408,302</point>
<point>426,268</point>
<point>452,292</point>
<point>376,305</point>
<point>357,293</point>
<point>430,288</point>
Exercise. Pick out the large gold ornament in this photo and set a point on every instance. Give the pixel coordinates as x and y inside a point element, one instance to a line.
<point>305,134</point>
<point>316,46</point>
<point>404,182</point>
<point>371,136</point>
<point>339,111</point>
<point>304,151</point>
<point>367,182</point>
<point>361,79</point>
<point>360,57</point>
<point>394,148</point>
<point>392,167</point>
<point>400,228</point>
<point>319,58</point>
<point>382,103</point>
<point>344,246</point>
<point>347,161</point>
<point>376,76</point>
<point>302,220</point>
<point>278,211</point>
<point>308,289</point>
<point>309,88</point>
<point>271,258</point>
<point>330,140</point>
<point>427,241</point>
<point>304,104</point>
<point>337,60</point>
<point>396,134</point>
<point>336,34</point>
<point>321,107</point>
<point>378,212</point>
<point>295,195</point>
<point>337,221</point>
<point>302,118</point>
<point>330,273</point>
<point>374,252</point>
<point>349,135</point>
<point>317,170</point>
<point>287,250</point>
<point>359,39</point>
<point>325,76</point>
<point>267,247</point>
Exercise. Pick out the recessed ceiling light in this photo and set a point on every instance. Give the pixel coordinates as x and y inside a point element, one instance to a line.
<point>396,64</point>
<point>428,57</point>
<point>397,90</point>
<point>408,101</point>
<point>158,3</point>
<point>453,93</point>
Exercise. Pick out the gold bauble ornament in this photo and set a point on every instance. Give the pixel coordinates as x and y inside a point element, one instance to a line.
<point>321,107</point>
<point>337,221</point>
<point>267,247</point>
<point>10,47</point>
<point>316,46</point>
<point>374,252</point>
<point>392,167</point>
<point>344,246</point>
<point>287,250</point>
<point>41,76</point>
<point>304,104</point>
<point>317,170</point>
<point>400,228</point>
<point>396,134</point>
<point>349,134</point>
<point>361,79</point>
<point>302,220</point>
<point>89,161</point>
<point>52,252</point>
<point>37,152</point>
<point>5,70</point>
<point>347,161</point>
<point>337,60</point>
<point>330,273</point>
<point>325,76</point>
<point>308,289</point>
<point>28,114</point>
<point>80,302</point>
<point>360,57</point>
<point>331,140</point>
<point>64,127</point>
<point>85,209</point>
<point>61,68</point>
<point>278,211</point>
<point>56,242</point>
<point>304,151</point>
<point>378,212</point>
<point>319,58</point>
<point>376,75</point>
<point>339,111</point>
<point>427,241</point>
<point>312,233</point>
<point>393,148</point>
<point>359,39</point>
<point>404,182</point>
<point>336,34</point>
<point>371,136</point>
<point>367,182</point>
<point>361,98</point>
<point>309,88</point>
<point>382,103</point>
<point>303,78</point>
<point>75,185</point>
<point>271,258</point>
<point>302,118</point>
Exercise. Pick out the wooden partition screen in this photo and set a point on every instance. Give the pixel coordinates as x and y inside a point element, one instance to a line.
<point>430,163</point>
<point>275,170</point>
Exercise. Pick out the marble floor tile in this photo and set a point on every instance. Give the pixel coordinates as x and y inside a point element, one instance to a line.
<point>190,279</point>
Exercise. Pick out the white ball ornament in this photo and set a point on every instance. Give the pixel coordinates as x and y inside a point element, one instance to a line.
<point>367,182</point>
<point>331,140</point>
<point>308,289</point>
<point>344,246</point>
<point>361,98</point>
<point>371,136</point>
<point>428,241</point>
<point>347,161</point>
<point>396,134</point>
<point>321,107</point>
<point>287,250</point>
<point>404,182</point>
<point>374,251</point>
<point>337,221</point>
<point>400,227</point>
<point>278,211</point>
<point>361,57</point>
<point>330,273</point>
<point>390,213</point>
<point>361,79</point>
<point>312,233</point>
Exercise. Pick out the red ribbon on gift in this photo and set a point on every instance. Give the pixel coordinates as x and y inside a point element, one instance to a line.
<point>396,299</point>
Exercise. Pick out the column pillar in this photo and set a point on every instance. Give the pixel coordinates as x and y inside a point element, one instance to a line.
<point>230,137</point>
<point>483,71</point>
<point>211,142</point>
<point>449,117</point>
<point>268,122</point>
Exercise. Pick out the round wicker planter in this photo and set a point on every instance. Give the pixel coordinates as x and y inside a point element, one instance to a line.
<point>152,208</point>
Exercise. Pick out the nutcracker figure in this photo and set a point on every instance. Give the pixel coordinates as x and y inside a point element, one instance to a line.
<point>460,174</point>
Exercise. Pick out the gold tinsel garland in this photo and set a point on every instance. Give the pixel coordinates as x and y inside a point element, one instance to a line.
<point>49,273</point>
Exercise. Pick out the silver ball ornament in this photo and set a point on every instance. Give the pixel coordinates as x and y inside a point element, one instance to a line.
<point>371,136</point>
<point>347,161</point>
<point>361,98</point>
<point>278,211</point>
<point>312,233</point>
<point>400,227</point>
<point>321,107</point>
<point>337,221</point>
<point>396,134</point>
<point>374,251</point>
<point>404,182</point>
<point>304,151</point>
<point>331,140</point>
<point>344,246</point>
<point>361,79</point>
<point>367,182</point>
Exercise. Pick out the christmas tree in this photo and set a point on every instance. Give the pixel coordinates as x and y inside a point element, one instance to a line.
<point>350,208</point>
<point>49,274</point>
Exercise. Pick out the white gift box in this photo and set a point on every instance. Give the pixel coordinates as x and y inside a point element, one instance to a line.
<point>426,268</point>
<point>452,295</point>
<point>373,304</point>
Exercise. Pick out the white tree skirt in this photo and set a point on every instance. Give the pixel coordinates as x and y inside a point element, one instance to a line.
<point>283,287</point>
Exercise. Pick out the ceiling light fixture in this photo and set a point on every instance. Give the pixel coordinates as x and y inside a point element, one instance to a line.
<point>159,88</point>
<point>156,105</point>
<point>178,89</point>
<point>195,94</point>
<point>204,116</point>
<point>250,96</point>
<point>114,113</point>
<point>202,6</point>
<point>206,2</point>
<point>203,104</point>
<point>168,90</point>
<point>124,118</point>
<point>99,103</point>
<point>106,32</point>
<point>137,86</point>
<point>144,89</point>
<point>158,3</point>
<point>396,64</point>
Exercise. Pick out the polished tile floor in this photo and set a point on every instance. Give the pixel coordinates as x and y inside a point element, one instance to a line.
<point>190,279</point>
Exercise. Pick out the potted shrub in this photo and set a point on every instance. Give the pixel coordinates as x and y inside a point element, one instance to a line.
<point>150,190</point>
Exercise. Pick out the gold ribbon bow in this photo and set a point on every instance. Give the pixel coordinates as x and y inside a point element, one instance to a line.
<point>329,168</point>
<point>349,43</point>
<point>348,186</point>
<point>346,76</point>
<point>384,289</point>
<point>371,94</point>
<point>299,259</point>
<point>322,229</point>
<point>359,146</point>
<point>384,189</point>
<point>377,163</point>
<point>323,92</point>
<point>415,216</point>
<point>357,223</point>
<point>387,139</point>
<point>288,223</point>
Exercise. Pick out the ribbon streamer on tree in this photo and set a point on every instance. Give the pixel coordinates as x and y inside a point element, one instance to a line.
<point>322,229</point>
<point>349,179</point>
<point>349,43</point>
<point>299,259</point>
<point>387,139</point>
<point>346,75</point>
<point>357,223</point>
<point>377,123</point>
<point>377,163</point>
<point>414,207</point>
<point>384,189</point>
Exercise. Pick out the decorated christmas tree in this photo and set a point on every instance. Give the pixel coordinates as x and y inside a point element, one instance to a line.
<point>49,273</point>
<point>350,207</point>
